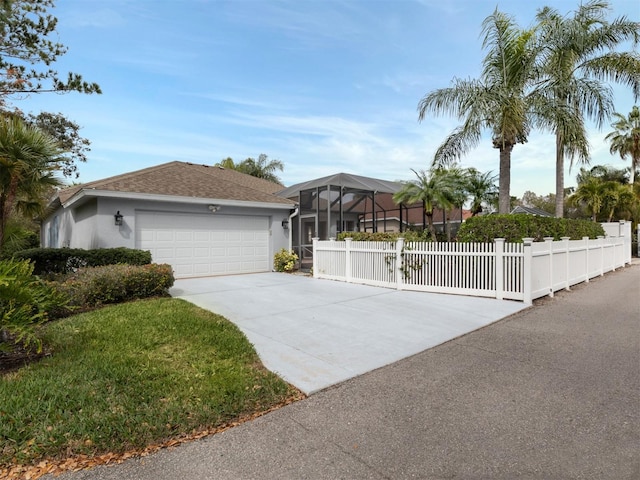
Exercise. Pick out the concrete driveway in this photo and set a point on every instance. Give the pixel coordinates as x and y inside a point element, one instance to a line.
<point>316,333</point>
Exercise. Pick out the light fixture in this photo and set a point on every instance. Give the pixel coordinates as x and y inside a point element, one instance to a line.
<point>285,223</point>
<point>118,218</point>
<point>214,208</point>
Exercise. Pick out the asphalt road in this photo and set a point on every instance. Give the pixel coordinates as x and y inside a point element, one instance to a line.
<point>551,392</point>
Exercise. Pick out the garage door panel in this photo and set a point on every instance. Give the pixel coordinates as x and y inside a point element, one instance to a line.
<point>201,236</point>
<point>199,245</point>
<point>164,236</point>
<point>201,252</point>
<point>184,236</point>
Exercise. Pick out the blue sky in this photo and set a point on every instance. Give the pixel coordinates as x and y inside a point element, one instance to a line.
<point>324,86</point>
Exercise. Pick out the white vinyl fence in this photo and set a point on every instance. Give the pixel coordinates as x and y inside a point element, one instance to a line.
<point>518,271</point>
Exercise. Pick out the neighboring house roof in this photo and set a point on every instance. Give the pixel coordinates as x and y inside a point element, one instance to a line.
<point>181,180</point>
<point>531,211</point>
<point>345,180</point>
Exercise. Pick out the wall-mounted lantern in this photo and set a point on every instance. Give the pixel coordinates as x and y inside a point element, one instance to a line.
<point>118,218</point>
<point>285,224</point>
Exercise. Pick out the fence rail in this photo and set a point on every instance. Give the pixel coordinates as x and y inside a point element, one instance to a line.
<point>517,271</point>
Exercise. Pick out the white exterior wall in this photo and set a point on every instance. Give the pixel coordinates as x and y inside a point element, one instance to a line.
<point>92,224</point>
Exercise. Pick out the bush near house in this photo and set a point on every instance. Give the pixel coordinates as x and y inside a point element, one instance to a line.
<point>65,260</point>
<point>25,302</point>
<point>284,261</point>
<point>92,287</point>
<point>513,228</point>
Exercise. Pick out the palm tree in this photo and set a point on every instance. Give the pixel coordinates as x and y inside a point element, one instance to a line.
<point>227,163</point>
<point>576,57</point>
<point>499,101</point>
<point>481,187</point>
<point>261,168</point>
<point>617,201</point>
<point>590,193</point>
<point>431,188</point>
<point>625,140</point>
<point>29,160</point>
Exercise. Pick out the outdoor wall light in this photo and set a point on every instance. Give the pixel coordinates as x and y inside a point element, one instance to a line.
<point>118,218</point>
<point>285,223</point>
<point>214,208</point>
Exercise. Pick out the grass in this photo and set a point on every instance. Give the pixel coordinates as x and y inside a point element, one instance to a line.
<point>128,376</point>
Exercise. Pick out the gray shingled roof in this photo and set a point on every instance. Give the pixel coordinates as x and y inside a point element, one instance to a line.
<point>346,180</point>
<point>531,211</point>
<point>186,180</point>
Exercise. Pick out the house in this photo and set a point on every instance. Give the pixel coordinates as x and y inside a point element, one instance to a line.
<point>345,202</point>
<point>203,220</point>
<point>531,211</point>
<point>333,204</point>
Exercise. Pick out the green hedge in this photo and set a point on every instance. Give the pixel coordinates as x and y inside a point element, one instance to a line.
<point>95,286</point>
<point>513,228</point>
<point>66,260</point>
<point>409,236</point>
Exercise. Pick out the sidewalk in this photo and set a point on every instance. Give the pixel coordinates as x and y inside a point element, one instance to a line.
<point>549,393</point>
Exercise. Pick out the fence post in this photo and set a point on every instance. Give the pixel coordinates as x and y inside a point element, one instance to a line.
<point>499,256</point>
<point>347,258</point>
<point>621,234</point>
<point>399,263</point>
<point>586,259</point>
<point>601,239</point>
<point>527,270</point>
<point>549,242</point>
<point>567,285</point>
<point>315,257</point>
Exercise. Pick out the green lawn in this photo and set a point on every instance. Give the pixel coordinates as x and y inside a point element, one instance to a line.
<point>128,376</point>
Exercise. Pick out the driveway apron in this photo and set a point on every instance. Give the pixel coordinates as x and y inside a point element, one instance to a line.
<point>316,333</point>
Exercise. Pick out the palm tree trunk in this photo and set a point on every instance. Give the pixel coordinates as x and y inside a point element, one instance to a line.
<point>559,176</point>
<point>431,227</point>
<point>504,194</point>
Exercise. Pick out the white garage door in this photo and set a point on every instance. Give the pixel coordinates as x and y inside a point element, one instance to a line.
<point>200,245</point>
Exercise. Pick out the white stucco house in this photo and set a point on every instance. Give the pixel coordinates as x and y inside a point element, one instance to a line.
<point>202,220</point>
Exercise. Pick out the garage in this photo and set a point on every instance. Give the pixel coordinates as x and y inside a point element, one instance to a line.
<point>198,245</point>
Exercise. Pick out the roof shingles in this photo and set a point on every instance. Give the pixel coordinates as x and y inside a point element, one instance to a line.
<point>183,179</point>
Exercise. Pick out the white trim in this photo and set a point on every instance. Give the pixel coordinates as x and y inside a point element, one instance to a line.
<point>172,198</point>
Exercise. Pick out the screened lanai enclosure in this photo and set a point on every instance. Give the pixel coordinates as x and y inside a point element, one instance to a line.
<point>343,202</point>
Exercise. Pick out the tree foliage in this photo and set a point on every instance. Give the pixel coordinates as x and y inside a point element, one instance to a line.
<point>577,61</point>
<point>432,188</point>
<point>550,77</point>
<point>625,139</point>
<point>28,50</point>
<point>499,101</point>
<point>481,189</point>
<point>605,194</point>
<point>260,168</point>
<point>29,161</point>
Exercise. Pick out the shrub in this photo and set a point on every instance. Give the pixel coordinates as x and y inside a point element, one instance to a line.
<point>95,286</point>
<point>515,227</point>
<point>409,236</point>
<point>284,260</point>
<point>24,304</point>
<point>66,260</point>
